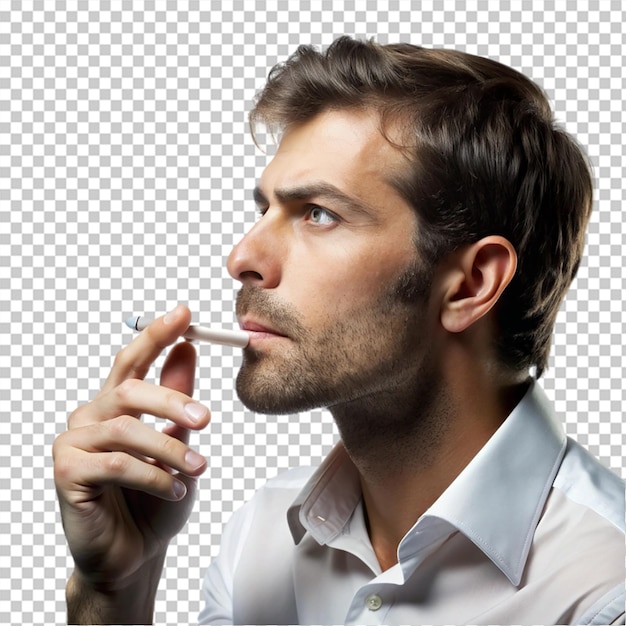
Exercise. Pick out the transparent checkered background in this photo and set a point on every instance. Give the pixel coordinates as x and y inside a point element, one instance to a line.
<point>125,177</point>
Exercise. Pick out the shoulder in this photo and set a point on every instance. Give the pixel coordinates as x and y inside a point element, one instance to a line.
<point>266,512</point>
<point>256,533</point>
<point>580,538</point>
<point>582,479</point>
<point>269,504</point>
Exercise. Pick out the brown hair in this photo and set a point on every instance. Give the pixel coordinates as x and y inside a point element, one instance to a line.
<point>486,158</point>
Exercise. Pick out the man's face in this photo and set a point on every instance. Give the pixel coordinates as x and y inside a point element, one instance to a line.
<point>332,294</point>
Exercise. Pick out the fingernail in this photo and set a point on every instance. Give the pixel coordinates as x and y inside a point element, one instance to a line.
<point>194,460</point>
<point>195,412</point>
<point>179,489</point>
<point>171,316</point>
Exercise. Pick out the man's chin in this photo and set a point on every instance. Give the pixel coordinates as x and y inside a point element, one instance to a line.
<point>274,406</point>
<point>272,399</point>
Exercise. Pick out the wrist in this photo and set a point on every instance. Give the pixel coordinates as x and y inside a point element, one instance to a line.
<point>120,602</point>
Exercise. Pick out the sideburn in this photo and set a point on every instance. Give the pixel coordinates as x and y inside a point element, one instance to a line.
<point>413,285</point>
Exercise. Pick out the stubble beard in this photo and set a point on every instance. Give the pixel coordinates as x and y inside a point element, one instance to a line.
<point>356,360</point>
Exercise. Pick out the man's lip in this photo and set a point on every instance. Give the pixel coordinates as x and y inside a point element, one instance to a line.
<point>252,326</point>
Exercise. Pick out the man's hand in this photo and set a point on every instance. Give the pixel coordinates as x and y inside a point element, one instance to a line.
<point>125,489</point>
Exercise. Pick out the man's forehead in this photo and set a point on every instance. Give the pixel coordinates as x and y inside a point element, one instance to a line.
<point>342,149</point>
<point>355,128</point>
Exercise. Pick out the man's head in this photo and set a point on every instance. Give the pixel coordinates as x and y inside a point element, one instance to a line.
<point>483,157</point>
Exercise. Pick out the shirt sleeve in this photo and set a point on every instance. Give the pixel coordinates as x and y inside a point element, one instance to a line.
<point>217,586</point>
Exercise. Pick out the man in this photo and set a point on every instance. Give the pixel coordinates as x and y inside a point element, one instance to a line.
<point>420,224</point>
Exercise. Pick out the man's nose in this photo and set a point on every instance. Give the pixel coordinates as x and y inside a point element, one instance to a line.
<point>256,260</point>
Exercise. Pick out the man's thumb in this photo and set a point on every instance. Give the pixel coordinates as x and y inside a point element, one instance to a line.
<point>179,369</point>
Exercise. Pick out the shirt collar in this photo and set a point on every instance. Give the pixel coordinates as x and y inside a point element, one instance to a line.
<point>496,501</point>
<point>498,498</point>
<point>328,499</point>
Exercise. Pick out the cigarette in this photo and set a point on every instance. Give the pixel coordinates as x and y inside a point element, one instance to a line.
<point>235,338</point>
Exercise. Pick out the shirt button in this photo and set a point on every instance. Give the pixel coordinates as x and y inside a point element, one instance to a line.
<point>373,602</point>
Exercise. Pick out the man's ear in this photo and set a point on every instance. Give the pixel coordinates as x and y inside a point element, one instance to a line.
<point>475,279</point>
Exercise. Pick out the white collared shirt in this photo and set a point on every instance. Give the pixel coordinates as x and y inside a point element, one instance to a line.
<point>530,532</point>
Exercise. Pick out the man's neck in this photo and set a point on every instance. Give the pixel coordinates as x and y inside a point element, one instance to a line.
<point>408,448</point>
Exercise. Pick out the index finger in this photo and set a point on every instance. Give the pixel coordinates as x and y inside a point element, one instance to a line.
<point>135,359</point>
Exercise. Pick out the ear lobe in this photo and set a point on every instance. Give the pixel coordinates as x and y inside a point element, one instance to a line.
<point>479,274</point>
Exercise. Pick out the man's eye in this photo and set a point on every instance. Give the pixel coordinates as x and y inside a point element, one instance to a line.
<point>321,216</point>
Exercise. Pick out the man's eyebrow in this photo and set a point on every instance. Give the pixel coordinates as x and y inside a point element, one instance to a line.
<point>321,190</point>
